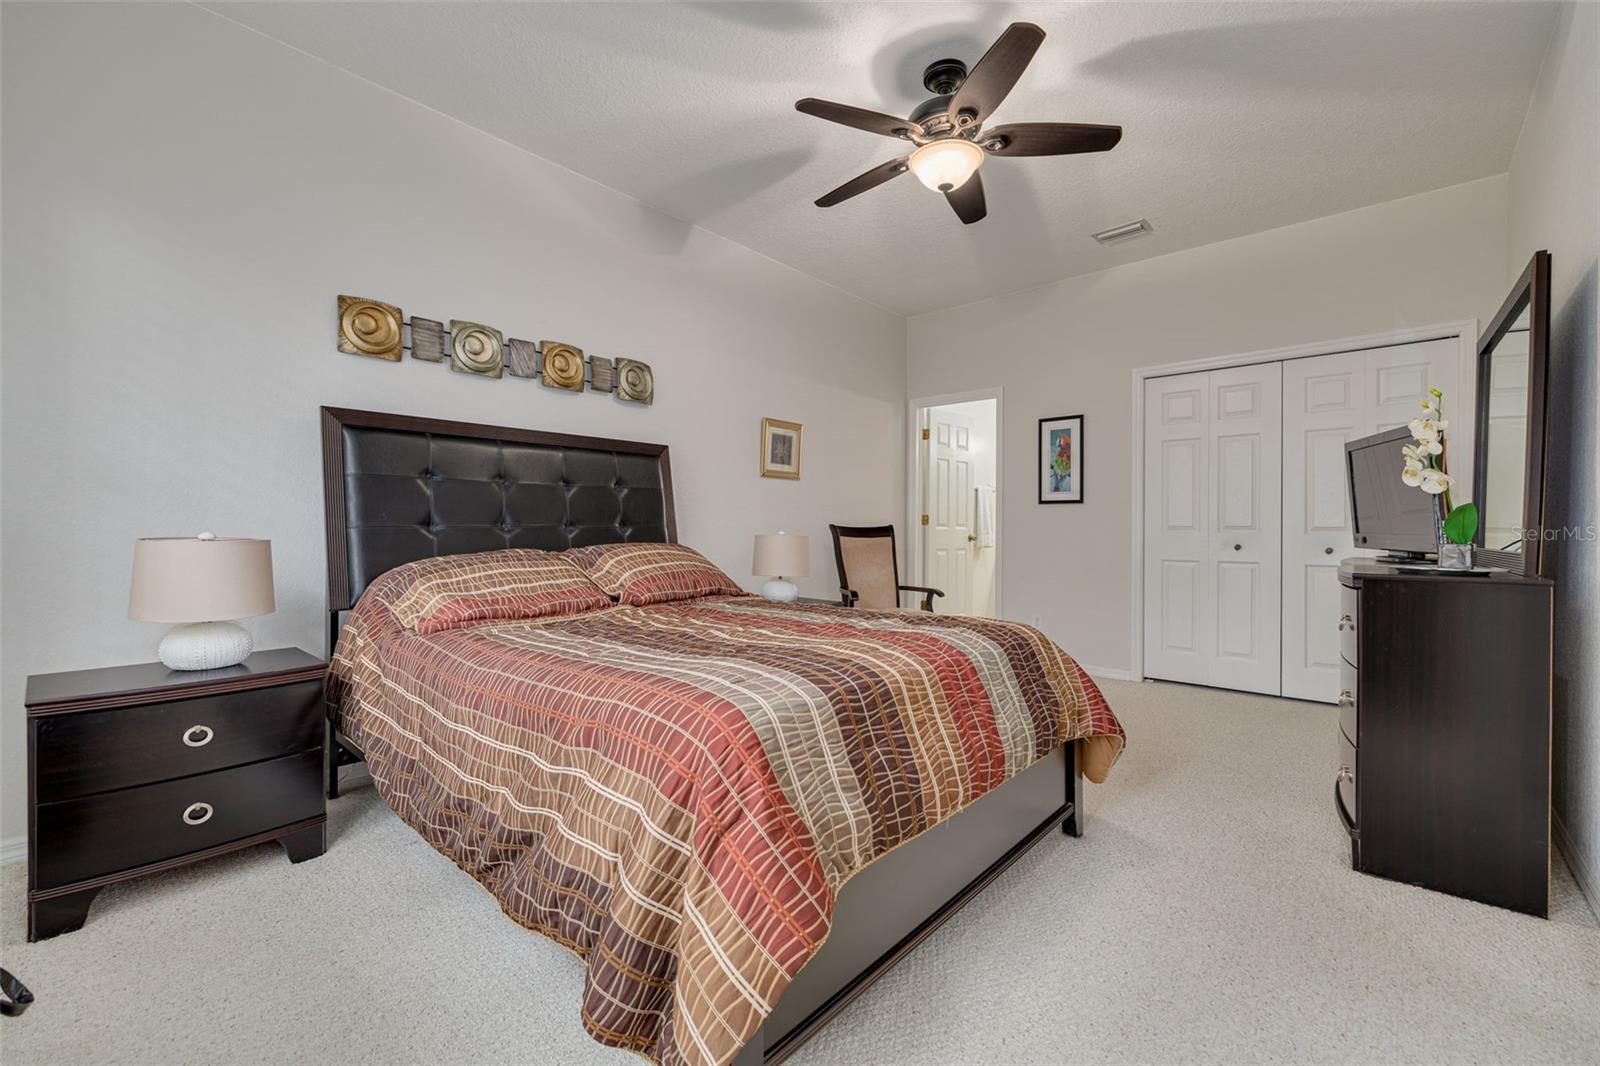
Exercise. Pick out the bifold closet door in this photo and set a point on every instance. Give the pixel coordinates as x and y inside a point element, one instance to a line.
<point>1213,527</point>
<point>1328,400</point>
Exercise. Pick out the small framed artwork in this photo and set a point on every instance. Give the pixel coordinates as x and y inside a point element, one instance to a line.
<point>780,448</point>
<point>1061,459</point>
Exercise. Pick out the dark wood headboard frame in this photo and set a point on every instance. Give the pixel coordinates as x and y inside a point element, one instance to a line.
<point>339,750</point>
<point>336,419</point>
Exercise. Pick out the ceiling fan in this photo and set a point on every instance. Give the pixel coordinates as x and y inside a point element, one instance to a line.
<point>948,129</point>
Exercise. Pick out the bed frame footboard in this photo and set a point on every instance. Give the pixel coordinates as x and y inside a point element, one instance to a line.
<point>893,896</point>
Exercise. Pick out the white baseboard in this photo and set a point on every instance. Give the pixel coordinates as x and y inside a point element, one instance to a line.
<point>1587,884</point>
<point>13,849</point>
<point>1107,672</point>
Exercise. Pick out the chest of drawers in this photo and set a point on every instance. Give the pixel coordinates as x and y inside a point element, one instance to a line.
<point>137,769</point>
<point>1443,775</point>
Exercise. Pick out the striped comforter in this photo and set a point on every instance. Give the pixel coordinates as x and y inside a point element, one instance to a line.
<point>678,792</point>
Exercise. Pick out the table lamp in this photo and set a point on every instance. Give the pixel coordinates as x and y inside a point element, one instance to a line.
<point>201,582</point>
<point>780,556</point>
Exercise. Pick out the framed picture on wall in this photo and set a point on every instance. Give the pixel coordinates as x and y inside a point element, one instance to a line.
<point>1061,459</point>
<point>780,448</point>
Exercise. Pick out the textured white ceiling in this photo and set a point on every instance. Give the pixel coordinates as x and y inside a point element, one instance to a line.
<point>1238,117</point>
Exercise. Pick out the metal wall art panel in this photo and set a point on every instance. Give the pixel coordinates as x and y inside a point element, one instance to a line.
<point>427,340</point>
<point>522,358</point>
<point>374,328</point>
<point>635,382</point>
<point>563,365</point>
<point>476,348</point>
<point>370,327</point>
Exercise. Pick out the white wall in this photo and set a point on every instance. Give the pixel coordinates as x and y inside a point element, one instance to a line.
<point>1070,348</point>
<point>1555,204</point>
<point>183,199</point>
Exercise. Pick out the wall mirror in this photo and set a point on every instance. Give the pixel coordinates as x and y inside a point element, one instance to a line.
<point>1508,471</point>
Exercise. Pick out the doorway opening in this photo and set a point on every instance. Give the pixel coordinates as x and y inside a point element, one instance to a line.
<point>956,502</point>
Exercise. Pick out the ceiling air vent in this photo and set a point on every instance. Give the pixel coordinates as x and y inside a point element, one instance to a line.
<point>1128,230</point>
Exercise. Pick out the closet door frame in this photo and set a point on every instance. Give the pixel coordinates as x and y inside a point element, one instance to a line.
<point>1459,410</point>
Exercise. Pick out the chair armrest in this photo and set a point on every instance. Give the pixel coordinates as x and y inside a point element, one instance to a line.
<point>927,594</point>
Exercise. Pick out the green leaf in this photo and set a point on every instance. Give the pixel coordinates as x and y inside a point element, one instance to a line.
<point>1461,525</point>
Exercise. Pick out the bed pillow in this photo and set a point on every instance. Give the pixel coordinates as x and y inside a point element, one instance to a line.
<point>452,591</point>
<point>639,574</point>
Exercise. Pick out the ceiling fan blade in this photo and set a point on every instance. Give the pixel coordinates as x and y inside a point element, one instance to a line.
<point>862,182</point>
<point>1049,138</point>
<point>995,74</point>
<point>858,117</point>
<point>968,199</point>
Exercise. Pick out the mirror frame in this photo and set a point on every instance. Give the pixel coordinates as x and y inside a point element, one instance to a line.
<point>1531,292</point>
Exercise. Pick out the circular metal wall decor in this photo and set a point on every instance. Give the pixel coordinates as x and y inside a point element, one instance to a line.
<point>563,365</point>
<point>476,348</point>
<point>370,327</point>
<point>635,382</point>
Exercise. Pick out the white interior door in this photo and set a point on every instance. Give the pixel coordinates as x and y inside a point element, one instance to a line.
<point>1178,645</point>
<point>1247,526</point>
<point>1328,400</point>
<point>1324,405</point>
<point>1213,478</point>
<point>949,538</point>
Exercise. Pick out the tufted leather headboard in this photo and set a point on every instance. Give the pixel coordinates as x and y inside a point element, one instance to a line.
<point>398,488</point>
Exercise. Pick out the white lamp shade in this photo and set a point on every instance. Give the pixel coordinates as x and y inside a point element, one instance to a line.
<point>945,166</point>
<point>782,555</point>
<point>200,579</point>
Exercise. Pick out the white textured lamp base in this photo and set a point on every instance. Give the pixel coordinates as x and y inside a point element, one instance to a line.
<point>780,590</point>
<point>204,646</point>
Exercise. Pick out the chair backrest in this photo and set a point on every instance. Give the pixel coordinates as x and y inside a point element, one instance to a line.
<point>867,565</point>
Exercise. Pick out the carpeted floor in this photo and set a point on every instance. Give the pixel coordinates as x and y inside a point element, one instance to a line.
<point>1209,915</point>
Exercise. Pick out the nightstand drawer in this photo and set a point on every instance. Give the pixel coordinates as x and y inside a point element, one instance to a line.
<point>102,834</point>
<point>81,754</point>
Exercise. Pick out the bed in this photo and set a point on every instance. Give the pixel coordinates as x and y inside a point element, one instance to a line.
<point>739,814</point>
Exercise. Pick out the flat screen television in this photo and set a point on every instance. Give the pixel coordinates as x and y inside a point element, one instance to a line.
<point>1386,514</point>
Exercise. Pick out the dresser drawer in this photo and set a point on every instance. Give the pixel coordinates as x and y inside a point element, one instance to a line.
<point>1349,613</point>
<point>83,838</point>
<point>81,754</point>
<point>1344,787</point>
<point>1349,689</point>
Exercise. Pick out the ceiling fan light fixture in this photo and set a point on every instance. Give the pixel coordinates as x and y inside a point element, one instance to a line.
<point>945,166</point>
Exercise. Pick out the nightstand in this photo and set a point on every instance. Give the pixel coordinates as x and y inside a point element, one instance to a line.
<point>137,769</point>
<point>812,599</point>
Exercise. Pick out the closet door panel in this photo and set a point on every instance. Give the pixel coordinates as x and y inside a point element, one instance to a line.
<point>1179,641</point>
<point>1324,405</point>
<point>1244,575</point>
<point>1328,400</point>
<point>1399,377</point>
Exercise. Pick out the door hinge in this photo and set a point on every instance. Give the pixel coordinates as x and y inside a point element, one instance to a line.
<point>924,519</point>
<point>924,432</point>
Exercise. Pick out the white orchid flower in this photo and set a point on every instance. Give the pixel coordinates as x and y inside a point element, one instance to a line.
<point>1435,481</point>
<point>1434,447</point>
<point>1412,474</point>
<point>1425,430</point>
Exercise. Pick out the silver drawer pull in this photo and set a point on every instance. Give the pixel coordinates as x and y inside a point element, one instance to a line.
<point>198,736</point>
<point>1345,774</point>
<point>1346,700</point>
<point>197,814</point>
<point>1346,622</point>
